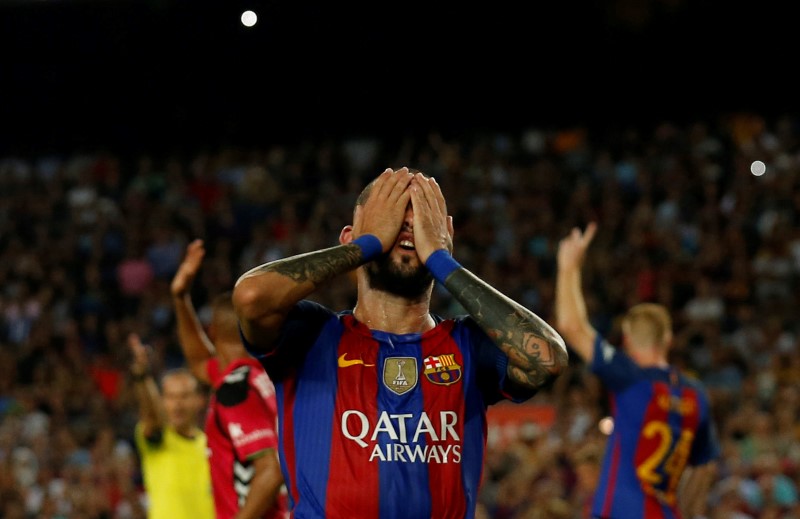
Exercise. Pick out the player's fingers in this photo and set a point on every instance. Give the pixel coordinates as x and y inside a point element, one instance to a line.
<point>420,198</point>
<point>133,340</point>
<point>573,244</point>
<point>194,256</point>
<point>426,189</point>
<point>588,235</point>
<point>451,231</point>
<point>401,179</point>
<point>196,247</point>
<point>136,347</point>
<point>380,184</point>
<point>417,198</point>
<point>438,196</point>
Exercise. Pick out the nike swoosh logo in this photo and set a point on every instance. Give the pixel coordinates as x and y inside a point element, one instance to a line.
<point>344,363</point>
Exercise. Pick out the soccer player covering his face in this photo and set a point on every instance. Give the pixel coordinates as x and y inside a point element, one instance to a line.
<point>382,406</point>
<point>659,460</point>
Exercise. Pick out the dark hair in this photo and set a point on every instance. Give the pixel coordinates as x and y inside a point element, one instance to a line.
<point>364,195</point>
<point>223,301</point>
<point>223,317</point>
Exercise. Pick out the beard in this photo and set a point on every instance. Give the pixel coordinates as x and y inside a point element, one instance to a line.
<point>398,278</point>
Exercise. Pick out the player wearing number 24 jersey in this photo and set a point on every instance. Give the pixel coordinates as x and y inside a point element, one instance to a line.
<point>659,460</point>
<point>662,424</point>
<point>382,407</point>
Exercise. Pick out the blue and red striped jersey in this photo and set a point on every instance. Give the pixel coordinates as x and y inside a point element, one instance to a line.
<point>662,423</point>
<point>374,424</point>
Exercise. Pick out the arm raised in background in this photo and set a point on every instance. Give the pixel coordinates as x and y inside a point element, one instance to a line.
<point>195,344</point>
<point>264,295</point>
<point>151,410</point>
<point>572,319</point>
<point>536,352</point>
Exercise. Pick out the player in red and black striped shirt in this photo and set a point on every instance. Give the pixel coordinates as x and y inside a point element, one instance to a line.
<point>241,418</point>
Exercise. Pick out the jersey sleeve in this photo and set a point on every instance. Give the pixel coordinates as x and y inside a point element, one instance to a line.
<point>246,408</point>
<point>613,366</point>
<point>706,446</point>
<point>297,336</point>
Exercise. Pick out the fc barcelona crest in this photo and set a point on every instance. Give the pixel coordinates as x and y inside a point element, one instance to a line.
<point>442,369</point>
<point>400,374</point>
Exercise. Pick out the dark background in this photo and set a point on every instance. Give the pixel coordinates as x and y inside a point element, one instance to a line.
<point>151,74</point>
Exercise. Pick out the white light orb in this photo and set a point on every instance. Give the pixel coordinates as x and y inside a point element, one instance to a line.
<point>249,18</point>
<point>606,425</point>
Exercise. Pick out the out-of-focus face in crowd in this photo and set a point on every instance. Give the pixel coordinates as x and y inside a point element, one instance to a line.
<point>182,399</point>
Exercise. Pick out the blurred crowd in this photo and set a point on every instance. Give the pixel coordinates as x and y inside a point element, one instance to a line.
<point>89,242</point>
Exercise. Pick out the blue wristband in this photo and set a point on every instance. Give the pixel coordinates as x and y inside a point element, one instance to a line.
<point>441,264</point>
<point>370,246</point>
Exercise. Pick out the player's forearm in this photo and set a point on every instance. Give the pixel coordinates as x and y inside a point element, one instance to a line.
<point>275,287</point>
<point>150,409</point>
<point>570,305</point>
<point>536,352</point>
<point>264,489</point>
<point>262,497</point>
<point>695,486</point>
<point>572,318</point>
<point>195,344</point>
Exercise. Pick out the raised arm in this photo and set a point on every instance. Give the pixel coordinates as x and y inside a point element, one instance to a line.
<point>151,410</point>
<point>572,319</point>
<point>264,295</point>
<point>195,344</point>
<point>536,353</point>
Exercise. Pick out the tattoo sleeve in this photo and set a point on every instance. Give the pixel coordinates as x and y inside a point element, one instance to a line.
<point>536,352</point>
<point>315,267</point>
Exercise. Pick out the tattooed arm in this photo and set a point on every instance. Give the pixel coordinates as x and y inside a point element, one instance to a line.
<point>536,352</point>
<point>265,295</point>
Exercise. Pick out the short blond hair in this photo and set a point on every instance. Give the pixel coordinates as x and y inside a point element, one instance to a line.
<point>648,324</point>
